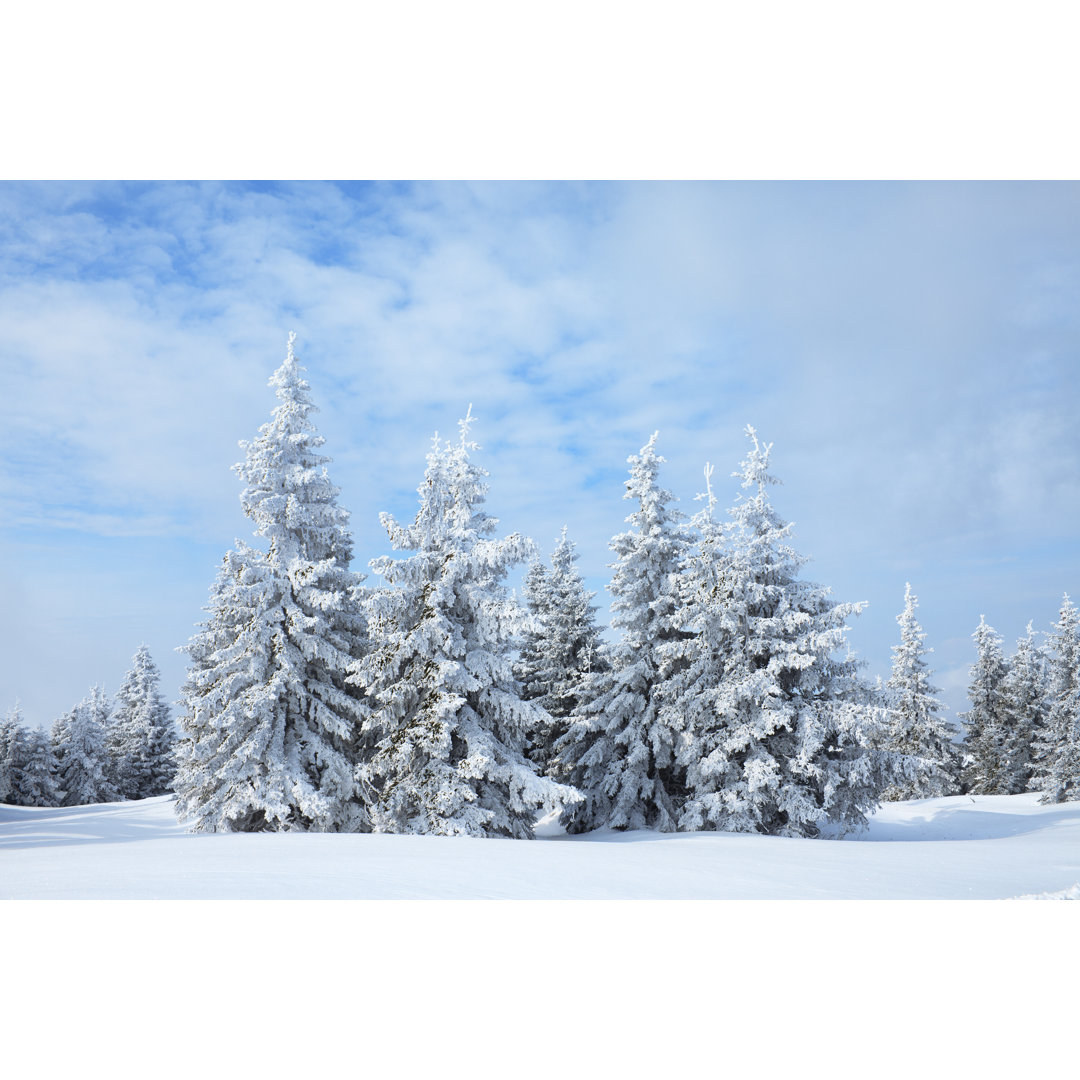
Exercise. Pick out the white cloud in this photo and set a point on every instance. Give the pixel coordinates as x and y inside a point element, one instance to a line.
<point>909,349</point>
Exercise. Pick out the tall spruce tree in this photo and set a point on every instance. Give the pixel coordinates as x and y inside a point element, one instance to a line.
<point>990,741</point>
<point>141,735</point>
<point>270,729</point>
<point>619,750</point>
<point>448,713</point>
<point>560,648</point>
<point>80,741</point>
<point>1059,772</point>
<point>699,660</point>
<point>915,727</point>
<point>780,733</point>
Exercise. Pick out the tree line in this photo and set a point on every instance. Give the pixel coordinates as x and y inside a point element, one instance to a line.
<point>436,702</point>
<point>98,752</point>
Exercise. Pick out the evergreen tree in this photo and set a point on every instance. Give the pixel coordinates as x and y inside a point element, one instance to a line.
<point>619,750</point>
<point>34,774</point>
<point>270,728</point>
<point>1025,704</point>
<point>990,741</point>
<point>699,659</point>
<point>780,733</point>
<point>141,734</point>
<point>448,713</point>
<point>233,769</point>
<point>80,741</point>
<point>11,731</point>
<point>1060,749</point>
<point>914,727</point>
<point>560,648</point>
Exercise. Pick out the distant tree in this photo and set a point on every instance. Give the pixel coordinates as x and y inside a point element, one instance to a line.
<point>779,733</point>
<point>80,741</point>
<point>914,726</point>
<point>560,648</point>
<point>270,728</point>
<point>141,735</point>
<point>1024,696</point>
<point>1027,700</point>
<point>1059,774</point>
<point>619,750</point>
<point>990,744</point>
<point>34,779</point>
<point>11,731</point>
<point>448,716</point>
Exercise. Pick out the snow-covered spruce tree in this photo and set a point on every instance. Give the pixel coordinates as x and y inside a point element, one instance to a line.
<point>141,735</point>
<point>34,773</point>
<point>698,659</point>
<point>783,732</point>
<point>447,710</point>
<point>231,768</point>
<point>989,743</point>
<point>560,648</point>
<point>915,727</point>
<point>11,731</point>
<point>1059,756</point>
<point>270,728</point>
<point>1025,703</point>
<point>80,741</point>
<point>619,750</point>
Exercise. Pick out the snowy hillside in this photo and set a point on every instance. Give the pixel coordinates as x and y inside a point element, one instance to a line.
<point>950,848</point>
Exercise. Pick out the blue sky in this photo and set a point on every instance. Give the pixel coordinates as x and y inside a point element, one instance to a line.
<point>910,349</point>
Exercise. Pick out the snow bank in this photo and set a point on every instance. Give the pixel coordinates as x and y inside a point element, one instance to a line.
<point>950,848</point>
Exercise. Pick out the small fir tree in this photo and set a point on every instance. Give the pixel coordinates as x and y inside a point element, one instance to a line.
<point>270,729</point>
<point>1060,748</point>
<point>85,765</point>
<point>990,740</point>
<point>448,715</point>
<point>560,648</point>
<point>619,750</point>
<point>914,727</point>
<point>34,771</point>
<point>11,732</point>
<point>141,735</point>
<point>1025,704</point>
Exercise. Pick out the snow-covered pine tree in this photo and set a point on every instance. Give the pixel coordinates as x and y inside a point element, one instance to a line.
<point>271,730</point>
<point>34,779</point>
<point>141,734</point>
<point>914,726</point>
<point>990,742</point>
<point>783,731</point>
<point>448,713</point>
<point>619,750</point>
<point>1059,757</point>
<point>1025,703</point>
<point>560,648</point>
<point>80,740</point>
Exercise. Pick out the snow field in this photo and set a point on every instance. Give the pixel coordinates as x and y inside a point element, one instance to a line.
<point>990,847</point>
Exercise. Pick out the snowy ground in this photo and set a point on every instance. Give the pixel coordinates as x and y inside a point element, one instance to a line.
<point>954,848</point>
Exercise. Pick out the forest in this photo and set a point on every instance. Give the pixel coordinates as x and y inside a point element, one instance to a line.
<point>432,700</point>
